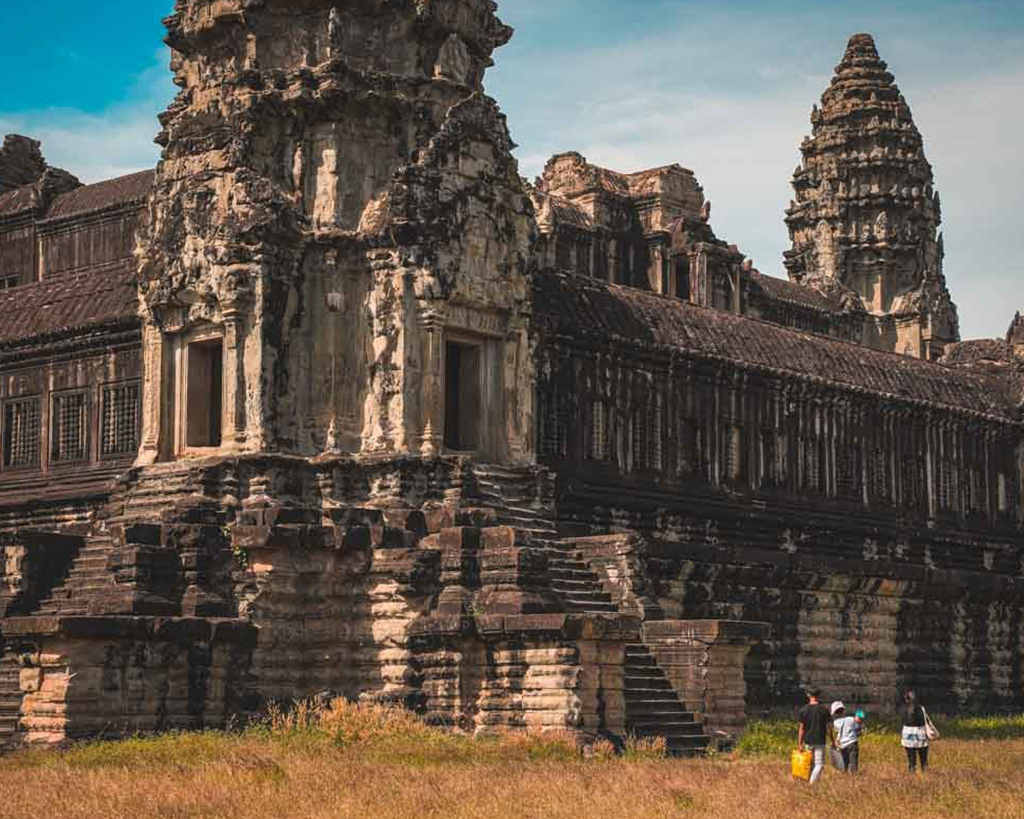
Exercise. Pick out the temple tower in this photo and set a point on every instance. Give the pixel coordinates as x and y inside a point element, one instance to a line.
<point>865,220</point>
<point>336,223</point>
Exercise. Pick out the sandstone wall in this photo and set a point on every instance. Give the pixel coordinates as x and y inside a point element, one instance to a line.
<point>85,677</point>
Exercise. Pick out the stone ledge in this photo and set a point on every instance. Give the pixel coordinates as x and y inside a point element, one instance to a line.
<point>716,632</point>
<point>165,629</point>
<point>570,626</point>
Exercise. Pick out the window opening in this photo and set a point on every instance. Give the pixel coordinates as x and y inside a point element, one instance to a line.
<point>733,452</point>
<point>119,431</point>
<point>683,278</point>
<point>599,444</point>
<point>69,428</point>
<point>22,432</point>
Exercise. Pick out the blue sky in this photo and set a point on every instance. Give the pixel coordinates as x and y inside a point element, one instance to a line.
<point>724,88</point>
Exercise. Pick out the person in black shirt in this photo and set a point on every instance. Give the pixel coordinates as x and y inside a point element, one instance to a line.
<point>815,724</point>
<point>914,737</point>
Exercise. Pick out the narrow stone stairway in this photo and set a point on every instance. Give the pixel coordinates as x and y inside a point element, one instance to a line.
<point>653,709</point>
<point>575,582</point>
<point>10,700</point>
<point>154,489</point>
<point>518,496</point>
<point>87,577</point>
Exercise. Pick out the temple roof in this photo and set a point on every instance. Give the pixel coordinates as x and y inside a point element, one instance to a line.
<point>787,291</point>
<point>17,200</point>
<point>556,210</point>
<point>66,305</point>
<point>586,308</point>
<point>82,199</point>
<point>102,195</point>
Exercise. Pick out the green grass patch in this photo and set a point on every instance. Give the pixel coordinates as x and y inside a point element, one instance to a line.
<point>179,749</point>
<point>777,735</point>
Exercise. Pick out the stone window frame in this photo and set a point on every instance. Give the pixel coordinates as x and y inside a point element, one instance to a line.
<point>813,474</point>
<point>880,476</point>
<point>733,452</point>
<point>768,455</point>
<point>646,433</point>
<point>850,467</point>
<point>104,390</point>
<point>6,460</point>
<point>599,439</point>
<point>689,462</point>
<point>57,419</point>
<point>553,437</point>
<point>947,473</point>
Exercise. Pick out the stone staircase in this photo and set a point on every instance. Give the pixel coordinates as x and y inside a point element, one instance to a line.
<point>153,489</point>
<point>575,582</point>
<point>653,709</point>
<point>87,578</point>
<point>521,498</point>
<point>10,701</point>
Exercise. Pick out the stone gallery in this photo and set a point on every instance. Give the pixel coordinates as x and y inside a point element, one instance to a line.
<point>333,400</point>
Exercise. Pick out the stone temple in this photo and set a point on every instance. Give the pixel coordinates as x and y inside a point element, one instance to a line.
<point>334,400</point>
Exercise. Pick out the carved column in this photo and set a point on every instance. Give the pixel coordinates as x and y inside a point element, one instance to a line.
<point>234,377</point>
<point>432,321</point>
<point>152,393</point>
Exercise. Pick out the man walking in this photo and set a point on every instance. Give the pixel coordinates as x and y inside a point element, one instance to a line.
<point>815,723</point>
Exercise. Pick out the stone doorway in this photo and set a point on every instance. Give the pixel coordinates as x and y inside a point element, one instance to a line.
<point>205,393</point>
<point>463,396</point>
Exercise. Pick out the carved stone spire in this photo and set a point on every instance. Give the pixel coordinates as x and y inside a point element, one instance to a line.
<point>866,215</point>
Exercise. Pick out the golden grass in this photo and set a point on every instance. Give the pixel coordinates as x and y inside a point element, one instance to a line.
<point>379,762</point>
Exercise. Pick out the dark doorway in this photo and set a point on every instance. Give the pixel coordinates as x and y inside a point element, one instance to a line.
<point>205,393</point>
<point>462,388</point>
<point>683,278</point>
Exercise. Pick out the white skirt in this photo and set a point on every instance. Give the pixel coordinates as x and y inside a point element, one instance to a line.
<point>914,737</point>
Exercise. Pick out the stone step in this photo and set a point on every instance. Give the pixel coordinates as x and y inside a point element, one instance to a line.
<point>588,607</point>
<point>10,702</point>
<point>672,725</point>
<point>87,575</point>
<point>646,683</point>
<point>688,746</point>
<point>573,580</point>
<point>659,710</point>
<point>654,709</point>
<point>650,701</point>
<point>571,574</point>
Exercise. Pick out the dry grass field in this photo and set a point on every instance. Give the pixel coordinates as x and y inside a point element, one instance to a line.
<point>372,762</point>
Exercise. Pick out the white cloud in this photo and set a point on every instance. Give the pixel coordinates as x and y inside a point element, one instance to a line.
<point>96,146</point>
<point>729,101</point>
<point>734,109</point>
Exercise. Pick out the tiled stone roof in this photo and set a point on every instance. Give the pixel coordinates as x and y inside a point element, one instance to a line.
<point>784,290</point>
<point>17,200</point>
<point>125,189</point>
<point>56,307</point>
<point>578,307</point>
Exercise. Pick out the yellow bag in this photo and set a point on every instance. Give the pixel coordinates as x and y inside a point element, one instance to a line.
<point>802,762</point>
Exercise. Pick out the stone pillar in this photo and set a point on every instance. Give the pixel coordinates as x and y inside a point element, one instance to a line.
<point>234,379</point>
<point>153,397</point>
<point>431,400</point>
<point>705,662</point>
